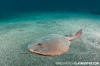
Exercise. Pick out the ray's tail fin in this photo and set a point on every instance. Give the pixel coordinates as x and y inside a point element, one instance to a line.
<point>78,34</point>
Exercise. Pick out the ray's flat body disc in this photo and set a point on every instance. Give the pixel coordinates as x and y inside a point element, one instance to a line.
<point>50,45</point>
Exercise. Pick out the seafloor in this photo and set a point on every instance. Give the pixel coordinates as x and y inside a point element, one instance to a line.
<point>17,33</point>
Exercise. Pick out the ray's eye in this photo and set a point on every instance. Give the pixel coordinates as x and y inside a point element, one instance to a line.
<point>39,44</point>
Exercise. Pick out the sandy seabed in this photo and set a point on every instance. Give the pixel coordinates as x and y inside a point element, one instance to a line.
<point>17,33</point>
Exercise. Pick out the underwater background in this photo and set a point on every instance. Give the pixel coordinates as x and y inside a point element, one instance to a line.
<point>24,21</point>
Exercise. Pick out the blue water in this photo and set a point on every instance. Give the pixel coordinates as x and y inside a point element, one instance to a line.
<point>16,33</point>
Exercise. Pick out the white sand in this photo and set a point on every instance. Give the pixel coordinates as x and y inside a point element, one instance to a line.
<point>17,33</point>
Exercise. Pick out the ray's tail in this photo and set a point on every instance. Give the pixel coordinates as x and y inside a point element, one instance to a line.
<point>78,34</point>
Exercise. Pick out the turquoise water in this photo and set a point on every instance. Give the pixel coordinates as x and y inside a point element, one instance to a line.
<point>19,32</point>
